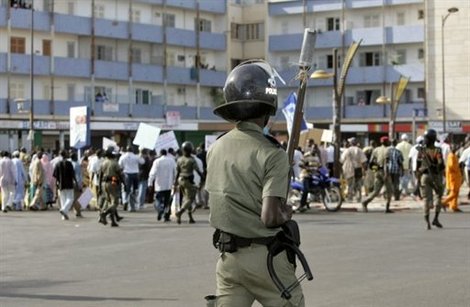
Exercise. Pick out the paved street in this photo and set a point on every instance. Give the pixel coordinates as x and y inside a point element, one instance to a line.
<point>358,260</point>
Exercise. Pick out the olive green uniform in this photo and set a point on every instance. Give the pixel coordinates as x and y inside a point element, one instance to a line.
<point>185,167</point>
<point>110,178</point>
<point>243,167</point>
<point>431,178</point>
<point>378,161</point>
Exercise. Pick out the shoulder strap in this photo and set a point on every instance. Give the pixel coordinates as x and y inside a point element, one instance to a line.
<point>273,140</point>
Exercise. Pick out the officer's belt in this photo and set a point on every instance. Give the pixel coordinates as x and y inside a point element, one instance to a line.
<point>230,243</point>
<point>245,242</point>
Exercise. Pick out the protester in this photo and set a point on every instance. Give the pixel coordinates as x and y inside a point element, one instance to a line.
<point>129,163</point>
<point>405,147</point>
<point>453,181</point>
<point>21,179</point>
<point>353,161</point>
<point>7,181</point>
<point>395,168</point>
<point>66,182</point>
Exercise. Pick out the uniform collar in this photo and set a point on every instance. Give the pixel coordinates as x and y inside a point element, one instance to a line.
<point>249,126</point>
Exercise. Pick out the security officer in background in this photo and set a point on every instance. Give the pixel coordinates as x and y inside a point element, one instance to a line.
<point>185,167</point>
<point>378,162</point>
<point>110,179</point>
<point>247,181</point>
<point>431,169</point>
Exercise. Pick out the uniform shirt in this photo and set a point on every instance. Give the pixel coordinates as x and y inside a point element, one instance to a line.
<point>129,162</point>
<point>433,156</point>
<point>404,147</point>
<point>163,173</point>
<point>186,166</point>
<point>243,167</point>
<point>110,168</point>
<point>379,155</point>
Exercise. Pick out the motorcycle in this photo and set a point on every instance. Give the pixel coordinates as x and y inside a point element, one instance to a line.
<point>323,188</point>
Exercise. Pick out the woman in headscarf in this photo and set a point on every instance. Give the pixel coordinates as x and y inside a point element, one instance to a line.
<point>37,180</point>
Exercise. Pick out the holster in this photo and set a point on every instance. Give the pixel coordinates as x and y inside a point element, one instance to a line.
<point>289,236</point>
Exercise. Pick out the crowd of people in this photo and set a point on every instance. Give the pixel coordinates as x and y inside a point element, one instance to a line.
<point>395,169</point>
<point>42,180</point>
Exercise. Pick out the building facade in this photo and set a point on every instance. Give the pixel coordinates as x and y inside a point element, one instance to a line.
<point>149,60</point>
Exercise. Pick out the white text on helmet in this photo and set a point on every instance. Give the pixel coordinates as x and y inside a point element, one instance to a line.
<point>271,91</point>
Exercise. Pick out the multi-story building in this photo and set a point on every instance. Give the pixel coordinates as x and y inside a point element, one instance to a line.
<point>135,61</point>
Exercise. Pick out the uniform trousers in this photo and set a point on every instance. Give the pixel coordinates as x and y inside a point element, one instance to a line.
<point>381,180</point>
<point>428,186</point>
<point>111,196</point>
<point>188,192</point>
<point>243,277</point>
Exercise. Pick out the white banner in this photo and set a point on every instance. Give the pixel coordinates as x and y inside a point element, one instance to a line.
<point>209,140</point>
<point>167,140</point>
<point>109,143</point>
<point>146,136</point>
<point>79,127</point>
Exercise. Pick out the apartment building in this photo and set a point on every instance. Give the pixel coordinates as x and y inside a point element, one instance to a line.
<point>129,61</point>
<point>149,60</point>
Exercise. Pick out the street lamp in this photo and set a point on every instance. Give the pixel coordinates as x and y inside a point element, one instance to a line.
<point>338,91</point>
<point>444,18</point>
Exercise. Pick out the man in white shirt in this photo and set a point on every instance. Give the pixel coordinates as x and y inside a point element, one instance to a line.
<point>94,165</point>
<point>7,181</point>
<point>405,147</point>
<point>162,175</point>
<point>413,156</point>
<point>129,163</point>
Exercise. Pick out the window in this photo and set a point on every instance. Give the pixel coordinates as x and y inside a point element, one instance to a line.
<point>70,92</point>
<point>400,19</point>
<point>46,47</point>
<point>367,97</point>
<point>329,61</point>
<point>48,5</point>
<point>70,49</point>
<point>16,90</point>
<point>17,45</point>
<point>236,31</point>
<point>71,8</point>
<point>370,59</point>
<point>399,58</point>
<point>101,94</point>
<point>421,14</point>
<point>421,93</point>
<point>371,21</point>
<point>99,11</point>
<point>104,53</point>
<point>420,53</point>
<point>332,24</point>
<point>136,55</point>
<point>143,96</point>
<point>204,25</point>
<point>136,16</point>
<point>168,20</point>
<point>170,58</point>
<point>254,31</point>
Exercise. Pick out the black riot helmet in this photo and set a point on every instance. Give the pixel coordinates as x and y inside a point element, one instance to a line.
<point>430,137</point>
<point>187,148</point>
<point>250,92</point>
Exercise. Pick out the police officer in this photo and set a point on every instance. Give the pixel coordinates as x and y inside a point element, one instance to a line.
<point>110,179</point>
<point>247,181</point>
<point>378,162</point>
<point>431,168</point>
<point>185,167</point>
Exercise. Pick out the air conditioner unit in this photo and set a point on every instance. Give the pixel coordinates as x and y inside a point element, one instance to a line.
<point>181,90</point>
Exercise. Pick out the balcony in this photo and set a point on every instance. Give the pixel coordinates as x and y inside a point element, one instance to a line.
<point>21,64</point>
<point>147,73</point>
<point>72,24</point>
<point>147,33</point>
<point>111,70</point>
<point>405,34</point>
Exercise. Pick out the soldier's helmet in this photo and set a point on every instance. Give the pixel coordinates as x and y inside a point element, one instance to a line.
<point>109,153</point>
<point>187,147</point>
<point>250,91</point>
<point>430,137</point>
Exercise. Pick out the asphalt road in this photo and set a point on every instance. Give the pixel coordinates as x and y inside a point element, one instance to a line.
<point>358,260</point>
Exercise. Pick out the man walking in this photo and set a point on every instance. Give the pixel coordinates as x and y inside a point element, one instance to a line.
<point>129,163</point>
<point>430,168</point>
<point>21,179</point>
<point>353,160</point>
<point>405,147</point>
<point>378,161</point>
<point>7,181</point>
<point>110,179</point>
<point>395,168</point>
<point>163,175</point>
<point>66,183</point>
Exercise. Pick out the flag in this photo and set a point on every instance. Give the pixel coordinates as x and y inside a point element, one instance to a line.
<point>289,111</point>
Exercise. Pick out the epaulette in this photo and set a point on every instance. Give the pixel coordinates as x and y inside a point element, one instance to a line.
<point>273,140</point>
